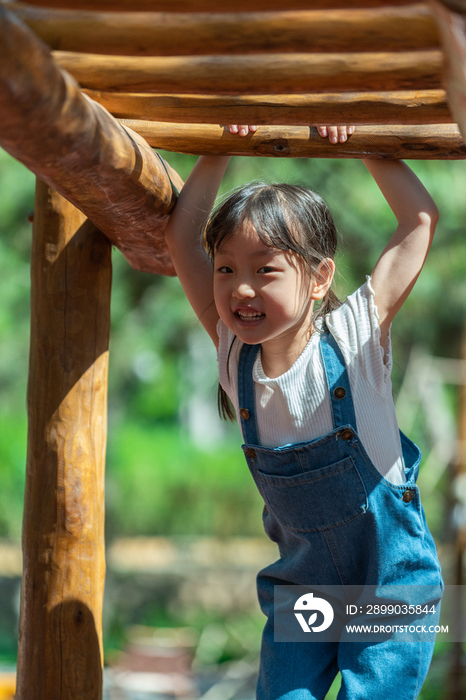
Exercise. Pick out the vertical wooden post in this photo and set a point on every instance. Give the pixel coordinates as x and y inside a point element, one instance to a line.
<point>60,640</point>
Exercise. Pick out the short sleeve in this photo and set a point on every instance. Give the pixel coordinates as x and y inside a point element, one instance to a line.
<point>355,325</point>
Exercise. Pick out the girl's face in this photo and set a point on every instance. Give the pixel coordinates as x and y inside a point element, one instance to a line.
<point>264,294</point>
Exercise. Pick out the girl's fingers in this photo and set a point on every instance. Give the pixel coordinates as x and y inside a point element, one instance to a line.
<point>336,133</point>
<point>333,134</point>
<point>342,134</point>
<point>242,129</point>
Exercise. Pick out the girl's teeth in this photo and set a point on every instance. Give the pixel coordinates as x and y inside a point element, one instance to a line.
<point>245,316</point>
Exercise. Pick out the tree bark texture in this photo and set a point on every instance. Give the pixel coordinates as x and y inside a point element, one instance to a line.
<point>256,74</point>
<point>211,5</point>
<point>60,645</point>
<point>164,34</point>
<point>440,142</point>
<point>404,107</point>
<point>453,31</point>
<point>76,146</point>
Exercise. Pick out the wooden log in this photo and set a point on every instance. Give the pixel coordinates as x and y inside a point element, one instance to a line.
<point>407,107</point>
<point>210,5</point>
<point>439,142</point>
<point>76,146</point>
<point>453,30</point>
<point>160,34</point>
<point>249,75</point>
<point>60,640</point>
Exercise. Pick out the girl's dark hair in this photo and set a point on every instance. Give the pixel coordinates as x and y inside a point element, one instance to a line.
<point>288,217</point>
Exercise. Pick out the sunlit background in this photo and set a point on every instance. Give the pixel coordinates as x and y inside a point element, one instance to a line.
<point>184,528</point>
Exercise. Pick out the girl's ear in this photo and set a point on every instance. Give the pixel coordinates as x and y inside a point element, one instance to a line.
<point>322,278</point>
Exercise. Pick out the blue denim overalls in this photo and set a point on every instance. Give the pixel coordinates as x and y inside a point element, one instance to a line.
<point>336,521</point>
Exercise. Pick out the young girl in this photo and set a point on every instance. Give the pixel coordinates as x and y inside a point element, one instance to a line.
<point>311,388</point>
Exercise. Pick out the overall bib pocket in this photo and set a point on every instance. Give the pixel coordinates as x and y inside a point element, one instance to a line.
<point>315,500</point>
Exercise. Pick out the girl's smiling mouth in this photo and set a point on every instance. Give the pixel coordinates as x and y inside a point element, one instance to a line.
<point>249,315</point>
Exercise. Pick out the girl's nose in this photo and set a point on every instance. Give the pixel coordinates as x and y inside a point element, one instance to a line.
<point>244,291</point>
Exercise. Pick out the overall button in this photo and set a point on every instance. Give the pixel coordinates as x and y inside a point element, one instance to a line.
<point>408,496</point>
<point>339,392</point>
<point>249,452</point>
<point>346,434</point>
<point>244,413</point>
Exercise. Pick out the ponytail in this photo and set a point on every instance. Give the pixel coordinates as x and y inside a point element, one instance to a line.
<point>225,407</point>
<point>330,302</point>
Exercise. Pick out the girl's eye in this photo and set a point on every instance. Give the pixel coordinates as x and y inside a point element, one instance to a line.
<point>266,268</point>
<point>224,269</point>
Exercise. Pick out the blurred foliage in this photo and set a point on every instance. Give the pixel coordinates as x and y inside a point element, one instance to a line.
<point>161,483</point>
<point>158,480</point>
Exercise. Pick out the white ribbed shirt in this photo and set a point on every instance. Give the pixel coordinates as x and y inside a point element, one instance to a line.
<point>295,407</point>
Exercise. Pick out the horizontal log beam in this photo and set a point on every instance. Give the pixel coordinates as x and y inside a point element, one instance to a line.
<point>249,75</point>
<point>209,5</point>
<point>157,34</point>
<point>408,107</point>
<point>439,142</point>
<point>77,147</point>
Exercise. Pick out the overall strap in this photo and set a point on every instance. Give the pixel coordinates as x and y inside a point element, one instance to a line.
<point>339,389</point>
<point>246,394</point>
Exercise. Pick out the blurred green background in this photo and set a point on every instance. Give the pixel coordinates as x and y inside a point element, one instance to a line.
<point>172,467</point>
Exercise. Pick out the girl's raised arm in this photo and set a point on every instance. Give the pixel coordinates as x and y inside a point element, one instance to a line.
<point>183,237</point>
<point>402,260</point>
